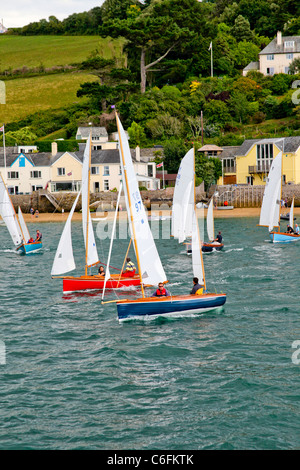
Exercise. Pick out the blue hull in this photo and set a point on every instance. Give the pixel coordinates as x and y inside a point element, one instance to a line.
<point>278,237</point>
<point>169,306</point>
<point>30,248</point>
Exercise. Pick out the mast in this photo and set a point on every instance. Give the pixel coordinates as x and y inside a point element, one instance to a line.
<point>88,207</point>
<point>130,209</point>
<point>197,225</point>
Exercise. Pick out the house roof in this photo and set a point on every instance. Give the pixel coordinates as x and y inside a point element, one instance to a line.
<point>252,66</point>
<point>209,148</point>
<point>229,151</point>
<point>274,48</point>
<point>287,144</point>
<point>84,132</point>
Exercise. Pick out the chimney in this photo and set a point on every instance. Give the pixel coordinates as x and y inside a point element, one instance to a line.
<point>279,38</point>
<point>138,154</point>
<point>54,149</point>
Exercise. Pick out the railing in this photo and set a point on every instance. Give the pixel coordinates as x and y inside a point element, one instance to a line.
<point>229,169</point>
<point>263,167</point>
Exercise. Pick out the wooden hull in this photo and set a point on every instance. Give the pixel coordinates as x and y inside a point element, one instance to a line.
<point>30,248</point>
<point>278,237</point>
<point>209,247</point>
<point>178,305</point>
<point>206,247</point>
<point>73,284</point>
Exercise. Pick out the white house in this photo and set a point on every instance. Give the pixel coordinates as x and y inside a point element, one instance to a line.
<point>277,56</point>
<point>99,137</point>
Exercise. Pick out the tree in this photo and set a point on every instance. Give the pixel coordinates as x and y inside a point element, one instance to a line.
<point>136,134</point>
<point>295,66</point>
<point>241,30</point>
<point>156,31</point>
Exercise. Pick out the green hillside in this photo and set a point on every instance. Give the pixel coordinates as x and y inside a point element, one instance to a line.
<point>31,51</point>
<point>26,96</point>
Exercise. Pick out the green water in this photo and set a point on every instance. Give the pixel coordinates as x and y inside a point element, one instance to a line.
<point>74,378</point>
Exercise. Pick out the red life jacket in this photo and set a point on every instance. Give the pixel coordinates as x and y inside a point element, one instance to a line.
<point>161,293</point>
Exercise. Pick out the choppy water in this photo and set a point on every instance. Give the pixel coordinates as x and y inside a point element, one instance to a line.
<point>74,378</point>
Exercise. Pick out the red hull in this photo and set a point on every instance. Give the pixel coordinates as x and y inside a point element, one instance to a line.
<point>71,284</point>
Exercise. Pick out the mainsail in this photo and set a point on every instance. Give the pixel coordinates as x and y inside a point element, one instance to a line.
<point>148,259</point>
<point>198,269</point>
<point>210,221</point>
<point>9,216</point>
<point>87,226</point>
<point>270,209</point>
<point>184,199</point>
<point>23,226</point>
<point>64,259</point>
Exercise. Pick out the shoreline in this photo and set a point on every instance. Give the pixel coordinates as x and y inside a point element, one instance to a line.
<point>107,216</point>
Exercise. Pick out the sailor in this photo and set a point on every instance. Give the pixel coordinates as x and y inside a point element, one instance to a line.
<point>297,229</point>
<point>130,268</point>
<point>197,289</point>
<point>101,271</point>
<point>38,236</point>
<point>161,291</point>
<point>219,238</point>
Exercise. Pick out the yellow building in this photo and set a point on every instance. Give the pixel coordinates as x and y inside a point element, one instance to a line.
<point>252,161</point>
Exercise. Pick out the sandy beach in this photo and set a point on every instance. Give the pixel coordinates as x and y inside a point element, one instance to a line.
<point>58,217</point>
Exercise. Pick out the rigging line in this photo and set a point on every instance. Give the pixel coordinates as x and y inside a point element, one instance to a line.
<point>124,262</point>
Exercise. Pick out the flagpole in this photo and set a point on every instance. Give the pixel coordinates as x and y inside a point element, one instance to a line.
<point>211,61</point>
<point>163,176</point>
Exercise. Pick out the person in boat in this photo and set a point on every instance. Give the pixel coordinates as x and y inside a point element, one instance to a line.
<point>31,240</point>
<point>38,236</point>
<point>130,269</point>
<point>219,238</point>
<point>101,271</point>
<point>296,229</point>
<point>197,289</point>
<point>161,291</point>
<point>289,229</point>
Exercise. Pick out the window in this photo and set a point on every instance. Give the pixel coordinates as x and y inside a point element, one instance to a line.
<point>106,171</point>
<point>120,170</point>
<point>106,185</point>
<point>13,175</point>
<point>289,44</point>
<point>264,157</point>
<point>95,170</point>
<point>61,171</point>
<point>289,56</point>
<point>35,174</point>
<point>286,70</point>
<point>270,71</point>
<point>270,56</point>
<point>150,170</point>
<point>22,162</point>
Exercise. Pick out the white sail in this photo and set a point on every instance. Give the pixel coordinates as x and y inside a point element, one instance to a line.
<point>9,216</point>
<point>271,201</point>
<point>210,221</point>
<point>148,258</point>
<point>64,259</point>
<point>292,214</point>
<point>23,225</point>
<point>87,226</point>
<point>184,199</point>
<point>197,261</point>
<point>107,273</point>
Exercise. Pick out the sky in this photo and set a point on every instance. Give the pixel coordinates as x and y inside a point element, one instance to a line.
<point>21,12</point>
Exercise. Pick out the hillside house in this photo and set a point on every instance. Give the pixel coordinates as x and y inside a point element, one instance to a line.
<point>277,56</point>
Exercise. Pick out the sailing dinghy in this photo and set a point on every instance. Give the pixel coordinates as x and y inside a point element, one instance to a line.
<point>64,258</point>
<point>184,204</point>
<point>16,225</point>
<point>148,260</point>
<point>270,209</point>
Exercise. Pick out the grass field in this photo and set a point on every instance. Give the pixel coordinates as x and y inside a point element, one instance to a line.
<point>32,51</point>
<point>25,96</point>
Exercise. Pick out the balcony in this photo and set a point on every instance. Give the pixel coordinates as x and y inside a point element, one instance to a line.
<point>262,167</point>
<point>229,169</point>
